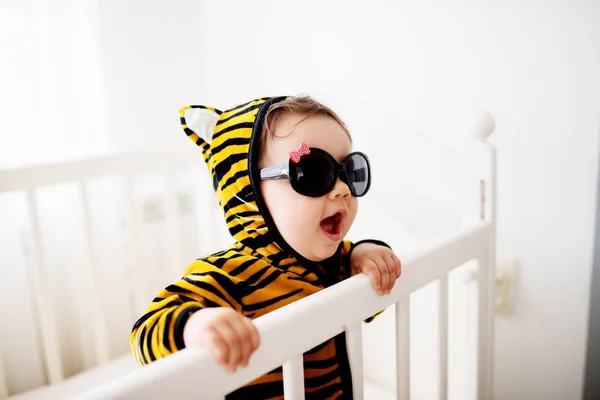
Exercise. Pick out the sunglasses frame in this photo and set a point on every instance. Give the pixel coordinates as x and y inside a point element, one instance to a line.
<point>282,171</point>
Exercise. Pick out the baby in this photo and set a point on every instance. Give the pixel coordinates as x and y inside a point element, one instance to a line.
<point>288,182</point>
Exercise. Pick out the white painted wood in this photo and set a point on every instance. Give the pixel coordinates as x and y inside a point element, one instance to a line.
<point>172,216</point>
<point>487,282</point>
<point>41,288</point>
<point>485,313</point>
<point>487,269</point>
<point>293,379</point>
<point>471,345</point>
<point>355,357</point>
<point>135,266</point>
<point>471,339</point>
<point>341,305</point>
<point>86,169</point>
<point>403,348</point>
<point>480,197</point>
<point>443,337</point>
<point>90,291</point>
<point>482,125</point>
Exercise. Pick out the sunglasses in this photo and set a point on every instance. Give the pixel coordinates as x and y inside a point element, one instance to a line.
<point>313,172</point>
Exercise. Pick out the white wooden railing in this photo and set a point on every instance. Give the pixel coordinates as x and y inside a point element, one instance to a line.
<point>309,321</point>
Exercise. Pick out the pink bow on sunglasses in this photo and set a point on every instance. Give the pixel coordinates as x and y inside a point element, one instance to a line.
<point>296,155</point>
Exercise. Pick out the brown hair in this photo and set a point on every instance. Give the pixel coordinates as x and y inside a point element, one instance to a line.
<point>304,106</point>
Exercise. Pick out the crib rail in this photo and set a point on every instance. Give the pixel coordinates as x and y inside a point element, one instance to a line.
<point>288,332</point>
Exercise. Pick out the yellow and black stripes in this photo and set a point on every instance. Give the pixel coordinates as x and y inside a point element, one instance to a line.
<point>228,165</point>
<point>259,273</point>
<point>242,279</point>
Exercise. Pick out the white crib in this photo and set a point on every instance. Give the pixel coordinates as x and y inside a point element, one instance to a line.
<point>109,372</point>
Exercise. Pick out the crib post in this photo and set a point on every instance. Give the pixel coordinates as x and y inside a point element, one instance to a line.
<point>480,200</point>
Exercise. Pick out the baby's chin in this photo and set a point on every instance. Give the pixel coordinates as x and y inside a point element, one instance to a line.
<point>321,255</point>
<point>316,248</point>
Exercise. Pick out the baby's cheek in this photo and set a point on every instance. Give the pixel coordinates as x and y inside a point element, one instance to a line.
<point>297,220</point>
<point>277,198</point>
<point>307,222</point>
<point>306,213</point>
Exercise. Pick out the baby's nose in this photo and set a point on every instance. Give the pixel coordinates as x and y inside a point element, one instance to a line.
<point>340,189</point>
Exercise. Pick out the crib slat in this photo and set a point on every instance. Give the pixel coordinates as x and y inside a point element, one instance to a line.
<point>139,300</point>
<point>293,379</point>
<point>443,336</point>
<point>471,339</point>
<point>100,332</point>
<point>43,297</point>
<point>355,356</point>
<point>177,261</point>
<point>485,315</point>
<point>403,348</point>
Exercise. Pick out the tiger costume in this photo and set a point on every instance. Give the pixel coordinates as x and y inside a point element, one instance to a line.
<point>259,273</point>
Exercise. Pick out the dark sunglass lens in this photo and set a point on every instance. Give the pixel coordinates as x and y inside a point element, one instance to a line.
<point>358,173</point>
<point>313,175</point>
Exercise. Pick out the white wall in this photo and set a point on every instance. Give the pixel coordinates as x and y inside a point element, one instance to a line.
<point>51,100</point>
<point>151,61</point>
<point>430,64</point>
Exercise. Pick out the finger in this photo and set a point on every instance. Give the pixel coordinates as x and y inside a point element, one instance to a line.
<point>391,273</point>
<point>218,346</point>
<point>243,333</point>
<point>239,341</point>
<point>233,343</point>
<point>385,276</point>
<point>392,270</point>
<point>398,265</point>
<point>254,336</point>
<point>370,269</point>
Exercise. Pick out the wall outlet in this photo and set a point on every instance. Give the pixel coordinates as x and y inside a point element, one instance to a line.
<point>505,285</point>
<point>506,272</point>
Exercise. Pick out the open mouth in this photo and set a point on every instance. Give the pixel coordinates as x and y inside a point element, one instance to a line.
<point>331,225</point>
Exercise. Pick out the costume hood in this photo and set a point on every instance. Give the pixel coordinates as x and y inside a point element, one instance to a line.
<point>229,143</point>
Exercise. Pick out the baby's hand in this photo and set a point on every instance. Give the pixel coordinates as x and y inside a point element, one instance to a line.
<point>379,263</point>
<point>230,336</point>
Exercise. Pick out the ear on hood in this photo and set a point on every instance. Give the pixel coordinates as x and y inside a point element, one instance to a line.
<point>199,123</point>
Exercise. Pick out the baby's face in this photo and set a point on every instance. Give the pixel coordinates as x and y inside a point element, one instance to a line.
<point>313,226</point>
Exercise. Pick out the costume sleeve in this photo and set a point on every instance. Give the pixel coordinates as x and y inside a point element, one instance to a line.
<point>159,332</point>
<point>346,250</point>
